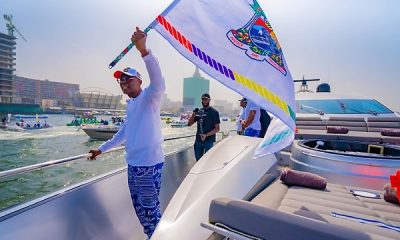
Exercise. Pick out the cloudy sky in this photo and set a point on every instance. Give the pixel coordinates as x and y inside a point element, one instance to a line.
<point>352,44</point>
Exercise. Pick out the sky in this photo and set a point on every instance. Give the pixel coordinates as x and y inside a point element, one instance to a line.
<point>354,45</point>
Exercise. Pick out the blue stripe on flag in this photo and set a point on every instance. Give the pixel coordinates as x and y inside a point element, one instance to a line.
<point>220,68</point>
<point>278,137</point>
<point>215,64</point>
<point>204,57</point>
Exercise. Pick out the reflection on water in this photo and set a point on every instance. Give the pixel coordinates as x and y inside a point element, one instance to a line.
<point>29,147</point>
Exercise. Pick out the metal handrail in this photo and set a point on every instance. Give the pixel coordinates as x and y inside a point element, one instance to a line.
<point>51,163</point>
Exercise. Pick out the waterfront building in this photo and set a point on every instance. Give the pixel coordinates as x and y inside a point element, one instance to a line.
<point>193,88</point>
<point>98,100</point>
<point>44,92</point>
<point>7,67</point>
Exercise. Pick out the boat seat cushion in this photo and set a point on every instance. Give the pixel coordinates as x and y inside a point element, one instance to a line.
<point>311,123</point>
<point>384,124</point>
<point>361,136</point>
<point>383,119</point>
<point>311,127</point>
<point>347,119</point>
<point>391,140</point>
<point>308,118</point>
<point>346,123</point>
<point>318,205</point>
<point>257,222</point>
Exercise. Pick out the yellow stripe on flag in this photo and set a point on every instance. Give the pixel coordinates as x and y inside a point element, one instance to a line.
<point>262,91</point>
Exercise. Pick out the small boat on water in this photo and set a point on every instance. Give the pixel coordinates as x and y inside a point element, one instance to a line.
<point>78,121</point>
<point>179,123</point>
<point>11,127</point>
<point>32,125</point>
<point>100,132</point>
<point>20,116</point>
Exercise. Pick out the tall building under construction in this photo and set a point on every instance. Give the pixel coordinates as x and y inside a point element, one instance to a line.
<point>7,67</point>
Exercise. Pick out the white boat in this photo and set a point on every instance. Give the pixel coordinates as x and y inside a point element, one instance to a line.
<point>179,123</point>
<point>230,161</point>
<point>11,127</point>
<point>100,132</point>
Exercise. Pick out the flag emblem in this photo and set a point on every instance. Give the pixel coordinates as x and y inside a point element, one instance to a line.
<point>259,40</point>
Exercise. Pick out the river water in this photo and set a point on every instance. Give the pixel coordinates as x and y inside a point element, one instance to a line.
<point>18,149</point>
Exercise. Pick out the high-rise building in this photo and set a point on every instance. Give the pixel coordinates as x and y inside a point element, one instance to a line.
<point>7,67</point>
<point>193,88</point>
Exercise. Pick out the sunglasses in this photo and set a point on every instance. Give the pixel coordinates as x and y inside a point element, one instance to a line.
<point>124,79</point>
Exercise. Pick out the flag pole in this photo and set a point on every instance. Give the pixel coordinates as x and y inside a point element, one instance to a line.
<point>146,30</point>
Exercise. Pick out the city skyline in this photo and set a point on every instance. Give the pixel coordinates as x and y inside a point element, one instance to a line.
<point>350,45</point>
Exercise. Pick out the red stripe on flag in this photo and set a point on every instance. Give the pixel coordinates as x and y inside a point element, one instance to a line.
<point>180,38</point>
<point>159,19</point>
<point>174,33</point>
<point>162,21</point>
<point>169,27</point>
<point>190,47</point>
<point>185,42</point>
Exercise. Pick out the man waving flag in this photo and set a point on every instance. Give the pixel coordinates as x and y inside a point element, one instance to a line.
<point>233,42</point>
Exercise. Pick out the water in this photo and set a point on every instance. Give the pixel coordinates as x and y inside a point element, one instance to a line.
<point>18,149</point>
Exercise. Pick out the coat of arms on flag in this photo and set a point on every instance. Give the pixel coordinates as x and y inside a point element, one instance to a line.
<point>258,39</point>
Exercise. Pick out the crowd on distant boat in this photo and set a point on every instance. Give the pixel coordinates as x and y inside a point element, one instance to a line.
<point>32,125</point>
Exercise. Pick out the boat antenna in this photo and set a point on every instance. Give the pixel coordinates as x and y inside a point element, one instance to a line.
<point>304,85</point>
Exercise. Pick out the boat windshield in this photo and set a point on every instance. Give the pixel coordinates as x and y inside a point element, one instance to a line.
<point>342,106</point>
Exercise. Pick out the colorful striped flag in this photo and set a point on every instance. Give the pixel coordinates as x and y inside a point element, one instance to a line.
<point>233,42</point>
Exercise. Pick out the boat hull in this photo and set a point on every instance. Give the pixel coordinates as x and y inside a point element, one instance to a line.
<point>99,208</point>
<point>227,170</point>
<point>100,134</point>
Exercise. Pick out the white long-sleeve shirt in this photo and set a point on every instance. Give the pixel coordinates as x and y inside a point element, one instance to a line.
<point>141,131</point>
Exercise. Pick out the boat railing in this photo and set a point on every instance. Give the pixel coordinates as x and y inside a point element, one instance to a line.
<point>51,163</point>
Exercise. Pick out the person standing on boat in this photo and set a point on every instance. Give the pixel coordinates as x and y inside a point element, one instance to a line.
<point>240,117</point>
<point>142,135</point>
<point>208,122</point>
<point>265,120</point>
<point>251,123</point>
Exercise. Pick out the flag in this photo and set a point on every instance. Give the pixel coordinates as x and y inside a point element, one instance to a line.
<point>233,42</point>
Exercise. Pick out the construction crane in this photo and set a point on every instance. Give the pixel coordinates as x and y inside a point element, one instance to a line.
<point>11,27</point>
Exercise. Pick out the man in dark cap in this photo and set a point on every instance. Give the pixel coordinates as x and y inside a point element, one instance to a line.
<point>207,119</point>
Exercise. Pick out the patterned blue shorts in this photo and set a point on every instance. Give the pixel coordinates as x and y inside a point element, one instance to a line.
<point>144,185</point>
